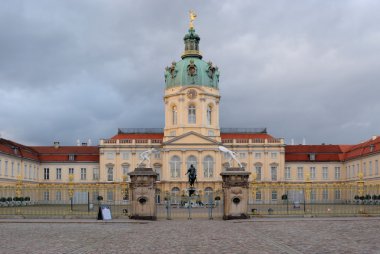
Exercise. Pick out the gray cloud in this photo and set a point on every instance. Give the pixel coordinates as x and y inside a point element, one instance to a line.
<point>81,69</point>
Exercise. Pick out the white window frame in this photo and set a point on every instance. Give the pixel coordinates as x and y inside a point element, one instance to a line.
<point>46,173</point>
<point>58,173</point>
<point>325,173</point>
<point>288,173</point>
<point>83,174</point>
<point>300,175</point>
<point>175,166</point>
<point>192,114</point>
<point>208,166</point>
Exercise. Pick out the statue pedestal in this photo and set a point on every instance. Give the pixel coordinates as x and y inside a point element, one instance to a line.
<point>235,191</point>
<point>143,188</point>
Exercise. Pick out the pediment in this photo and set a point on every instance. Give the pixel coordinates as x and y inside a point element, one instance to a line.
<point>191,138</point>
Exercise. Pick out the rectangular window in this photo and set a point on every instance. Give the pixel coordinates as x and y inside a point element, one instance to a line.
<point>300,173</point>
<point>18,169</point>
<point>59,174</point>
<point>312,173</point>
<point>58,196</point>
<point>126,155</point>
<point>258,195</point>
<point>46,173</point>
<point>337,194</point>
<point>273,155</point>
<point>191,114</point>
<point>273,170</point>
<point>12,169</point>
<point>313,195</point>
<point>312,156</point>
<point>287,173</point>
<point>337,173</point>
<point>109,195</point>
<point>274,195</point>
<point>95,196</point>
<point>25,171</point>
<point>110,156</point>
<point>71,157</point>
<point>157,169</point>
<point>0,168</point>
<point>71,171</point>
<point>257,155</point>
<point>242,155</point>
<point>364,169</point>
<point>110,173</point>
<point>325,173</point>
<point>357,169</point>
<point>83,173</point>
<point>325,195</point>
<point>95,174</point>
<point>46,195</point>
<point>258,173</point>
<point>370,168</point>
<point>125,171</point>
<point>348,169</point>
<point>6,168</point>
<point>157,155</point>
<point>376,167</point>
<point>30,171</point>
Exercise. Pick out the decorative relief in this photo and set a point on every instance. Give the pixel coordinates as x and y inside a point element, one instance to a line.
<point>191,94</point>
<point>192,69</point>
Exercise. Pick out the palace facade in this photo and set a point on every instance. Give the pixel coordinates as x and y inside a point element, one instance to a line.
<point>191,135</point>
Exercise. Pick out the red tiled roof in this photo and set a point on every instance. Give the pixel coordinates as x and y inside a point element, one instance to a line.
<point>18,150</point>
<point>61,154</point>
<point>323,153</point>
<point>365,148</point>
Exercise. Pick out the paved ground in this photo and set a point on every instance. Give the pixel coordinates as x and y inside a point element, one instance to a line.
<point>282,235</point>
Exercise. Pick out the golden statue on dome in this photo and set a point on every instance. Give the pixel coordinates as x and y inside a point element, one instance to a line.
<point>193,15</point>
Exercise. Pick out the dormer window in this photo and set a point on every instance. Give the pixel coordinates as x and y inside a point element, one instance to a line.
<point>71,157</point>
<point>372,148</point>
<point>312,156</point>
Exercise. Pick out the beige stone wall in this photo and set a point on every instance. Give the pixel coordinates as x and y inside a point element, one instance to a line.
<point>12,168</point>
<point>181,98</point>
<point>367,166</point>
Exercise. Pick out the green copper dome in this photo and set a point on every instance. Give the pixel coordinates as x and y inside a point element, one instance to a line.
<point>192,70</point>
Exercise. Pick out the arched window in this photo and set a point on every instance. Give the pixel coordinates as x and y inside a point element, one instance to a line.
<point>209,114</point>
<point>175,167</point>
<point>174,115</point>
<point>208,195</point>
<point>191,160</point>
<point>175,195</point>
<point>191,114</point>
<point>208,166</point>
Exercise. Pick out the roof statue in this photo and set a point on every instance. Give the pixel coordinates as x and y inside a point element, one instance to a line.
<point>232,155</point>
<point>145,156</point>
<point>193,15</point>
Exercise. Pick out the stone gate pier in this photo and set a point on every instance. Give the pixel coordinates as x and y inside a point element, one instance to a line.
<point>143,191</point>
<point>235,191</point>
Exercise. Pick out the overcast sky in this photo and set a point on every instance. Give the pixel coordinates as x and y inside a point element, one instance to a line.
<point>82,69</point>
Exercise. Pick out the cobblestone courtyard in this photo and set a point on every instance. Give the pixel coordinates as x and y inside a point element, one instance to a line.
<point>284,235</point>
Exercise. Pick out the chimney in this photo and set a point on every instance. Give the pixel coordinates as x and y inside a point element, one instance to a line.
<point>84,144</point>
<point>56,144</point>
<point>374,137</point>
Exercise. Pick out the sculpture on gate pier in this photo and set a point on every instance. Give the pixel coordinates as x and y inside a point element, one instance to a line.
<point>232,155</point>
